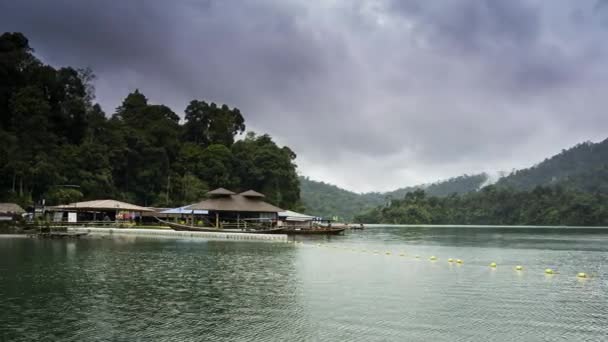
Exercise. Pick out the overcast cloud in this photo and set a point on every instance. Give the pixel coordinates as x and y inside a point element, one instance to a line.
<point>371,94</point>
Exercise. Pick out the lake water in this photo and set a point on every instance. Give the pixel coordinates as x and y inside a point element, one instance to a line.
<point>343,288</point>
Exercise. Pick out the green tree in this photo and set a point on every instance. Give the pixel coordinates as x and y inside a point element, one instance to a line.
<point>52,134</point>
<point>209,124</point>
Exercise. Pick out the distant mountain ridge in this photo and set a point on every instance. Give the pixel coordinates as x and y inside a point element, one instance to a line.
<point>583,167</point>
<point>327,200</point>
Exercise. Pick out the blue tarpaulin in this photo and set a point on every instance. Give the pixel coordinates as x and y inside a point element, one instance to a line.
<point>185,211</point>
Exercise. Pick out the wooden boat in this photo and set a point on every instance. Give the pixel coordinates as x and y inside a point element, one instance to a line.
<point>183,227</point>
<point>357,227</point>
<point>312,230</point>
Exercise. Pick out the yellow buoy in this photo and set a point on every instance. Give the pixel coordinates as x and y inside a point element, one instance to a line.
<point>493,265</point>
<point>433,257</point>
<point>450,260</point>
<point>459,261</point>
<point>549,271</point>
<point>582,275</point>
<point>519,267</point>
<point>388,253</point>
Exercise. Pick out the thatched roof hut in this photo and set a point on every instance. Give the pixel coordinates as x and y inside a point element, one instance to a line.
<point>11,208</point>
<point>220,192</point>
<point>226,200</point>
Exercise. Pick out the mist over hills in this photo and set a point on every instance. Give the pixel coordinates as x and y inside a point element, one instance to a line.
<point>581,168</point>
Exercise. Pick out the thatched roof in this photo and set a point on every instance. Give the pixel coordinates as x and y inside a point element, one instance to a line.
<point>220,192</point>
<point>11,208</point>
<point>251,193</point>
<point>102,205</point>
<point>235,203</point>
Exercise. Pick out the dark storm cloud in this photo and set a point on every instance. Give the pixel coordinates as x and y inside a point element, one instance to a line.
<point>413,90</point>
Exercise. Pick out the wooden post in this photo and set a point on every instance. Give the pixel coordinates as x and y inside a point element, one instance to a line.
<point>238,220</point>
<point>217,220</point>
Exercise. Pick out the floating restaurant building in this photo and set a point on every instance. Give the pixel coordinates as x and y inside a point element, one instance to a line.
<point>228,208</point>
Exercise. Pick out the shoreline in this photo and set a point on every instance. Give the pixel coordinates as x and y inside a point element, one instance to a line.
<point>371,225</point>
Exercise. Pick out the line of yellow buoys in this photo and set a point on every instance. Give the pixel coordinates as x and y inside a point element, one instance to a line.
<point>493,265</point>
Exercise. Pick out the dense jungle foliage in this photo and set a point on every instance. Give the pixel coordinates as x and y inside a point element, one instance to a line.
<point>57,144</point>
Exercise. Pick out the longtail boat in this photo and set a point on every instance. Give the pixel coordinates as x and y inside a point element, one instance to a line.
<point>184,227</point>
<point>312,230</point>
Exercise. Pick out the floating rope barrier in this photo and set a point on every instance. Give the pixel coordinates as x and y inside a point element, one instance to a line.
<point>493,265</point>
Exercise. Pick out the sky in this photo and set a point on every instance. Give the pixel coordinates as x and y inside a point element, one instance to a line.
<point>372,95</point>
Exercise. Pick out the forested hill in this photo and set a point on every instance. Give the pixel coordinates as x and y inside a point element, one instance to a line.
<point>57,144</point>
<point>582,167</point>
<point>456,185</point>
<point>328,200</point>
<point>570,188</point>
<point>494,205</point>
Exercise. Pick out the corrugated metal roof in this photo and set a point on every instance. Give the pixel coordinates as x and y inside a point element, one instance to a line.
<point>235,203</point>
<point>103,205</point>
<point>11,208</point>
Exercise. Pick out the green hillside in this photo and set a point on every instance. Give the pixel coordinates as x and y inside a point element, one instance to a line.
<point>327,200</point>
<point>582,167</point>
<point>570,188</point>
<point>456,185</point>
<point>552,205</point>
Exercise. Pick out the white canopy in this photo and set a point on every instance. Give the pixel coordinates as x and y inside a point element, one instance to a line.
<point>289,215</point>
<point>184,211</point>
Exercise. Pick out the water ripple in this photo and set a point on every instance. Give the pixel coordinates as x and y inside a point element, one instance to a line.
<point>176,290</point>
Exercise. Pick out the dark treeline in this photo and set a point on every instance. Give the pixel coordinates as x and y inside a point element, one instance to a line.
<point>57,144</point>
<point>495,205</point>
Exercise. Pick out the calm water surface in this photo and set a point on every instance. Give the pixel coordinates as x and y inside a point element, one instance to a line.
<point>144,289</point>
